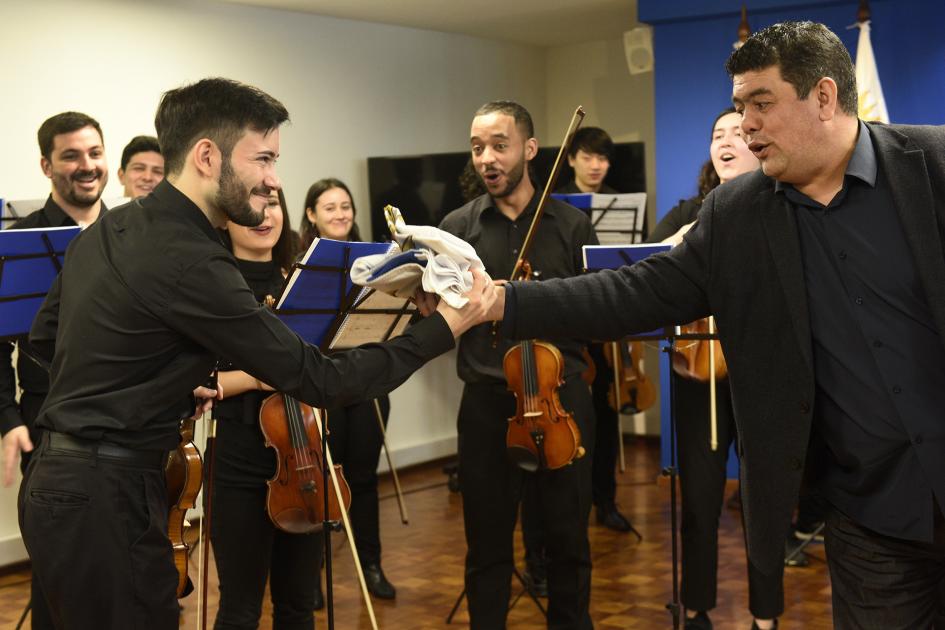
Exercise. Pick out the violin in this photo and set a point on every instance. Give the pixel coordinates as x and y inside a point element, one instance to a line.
<point>633,392</point>
<point>692,360</point>
<point>295,499</point>
<point>541,435</point>
<point>183,475</point>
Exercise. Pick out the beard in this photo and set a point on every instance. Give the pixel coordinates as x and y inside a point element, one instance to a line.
<point>513,178</point>
<point>79,198</point>
<point>233,198</point>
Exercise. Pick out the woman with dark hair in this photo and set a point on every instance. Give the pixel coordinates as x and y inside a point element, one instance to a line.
<point>329,213</point>
<point>247,547</point>
<point>702,471</point>
<point>354,437</point>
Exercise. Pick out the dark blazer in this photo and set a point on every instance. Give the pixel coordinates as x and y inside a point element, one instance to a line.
<point>742,263</point>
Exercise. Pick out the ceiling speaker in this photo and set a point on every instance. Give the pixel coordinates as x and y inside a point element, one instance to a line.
<point>638,47</point>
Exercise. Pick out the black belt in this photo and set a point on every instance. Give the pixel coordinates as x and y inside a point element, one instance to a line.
<point>104,450</point>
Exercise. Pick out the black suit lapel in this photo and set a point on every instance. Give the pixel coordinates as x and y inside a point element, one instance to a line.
<point>780,228</point>
<point>905,169</point>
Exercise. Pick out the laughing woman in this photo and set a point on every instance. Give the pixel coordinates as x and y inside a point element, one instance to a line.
<point>246,545</point>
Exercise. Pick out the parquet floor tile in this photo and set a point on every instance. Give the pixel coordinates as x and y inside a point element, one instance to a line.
<point>631,583</point>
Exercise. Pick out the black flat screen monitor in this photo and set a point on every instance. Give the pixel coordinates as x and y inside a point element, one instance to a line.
<point>427,187</point>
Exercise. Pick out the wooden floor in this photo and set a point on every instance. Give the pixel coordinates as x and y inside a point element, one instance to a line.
<point>632,582</point>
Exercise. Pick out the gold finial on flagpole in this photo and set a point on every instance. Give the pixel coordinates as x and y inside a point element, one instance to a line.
<point>744,30</point>
<point>863,13</point>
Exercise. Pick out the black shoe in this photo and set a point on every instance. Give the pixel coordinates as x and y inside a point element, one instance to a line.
<point>700,622</point>
<point>754,626</point>
<point>377,582</point>
<point>609,517</point>
<point>792,559</point>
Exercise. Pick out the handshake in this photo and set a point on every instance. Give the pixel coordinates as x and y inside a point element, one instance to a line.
<point>486,302</point>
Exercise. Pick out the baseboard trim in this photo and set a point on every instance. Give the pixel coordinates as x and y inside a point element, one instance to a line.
<point>12,550</point>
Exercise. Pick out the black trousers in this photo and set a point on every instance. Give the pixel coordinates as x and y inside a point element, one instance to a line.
<point>491,488</point>
<point>355,441</point>
<point>603,465</point>
<point>880,582</point>
<point>248,548</point>
<point>30,405</point>
<point>96,532</point>
<point>606,447</point>
<point>702,482</point>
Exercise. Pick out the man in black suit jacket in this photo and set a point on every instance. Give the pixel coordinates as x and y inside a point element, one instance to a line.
<point>826,274</point>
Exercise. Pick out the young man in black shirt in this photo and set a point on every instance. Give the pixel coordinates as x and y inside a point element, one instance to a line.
<point>142,166</point>
<point>73,158</point>
<point>146,302</point>
<point>502,143</point>
<point>589,155</point>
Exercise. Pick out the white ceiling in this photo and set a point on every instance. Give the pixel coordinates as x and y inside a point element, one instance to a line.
<point>532,22</point>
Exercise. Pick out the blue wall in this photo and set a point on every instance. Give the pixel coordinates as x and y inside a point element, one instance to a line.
<point>693,38</point>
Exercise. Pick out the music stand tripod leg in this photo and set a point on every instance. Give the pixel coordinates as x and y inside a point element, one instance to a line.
<point>803,545</point>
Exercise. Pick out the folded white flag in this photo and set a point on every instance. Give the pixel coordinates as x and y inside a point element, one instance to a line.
<point>436,260</point>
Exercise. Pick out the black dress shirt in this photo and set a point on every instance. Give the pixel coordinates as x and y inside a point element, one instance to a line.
<point>555,253</point>
<point>879,362</point>
<point>148,299</point>
<point>33,378</point>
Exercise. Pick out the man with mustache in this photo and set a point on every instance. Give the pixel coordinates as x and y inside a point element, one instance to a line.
<point>148,300</point>
<point>831,312</point>
<point>142,166</point>
<point>73,158</point>
<point>502,144</point>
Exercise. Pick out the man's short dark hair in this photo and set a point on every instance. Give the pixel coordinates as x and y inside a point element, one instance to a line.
<point>592,140</point>
<point>510,108</point>
<point>218,109</point>
<point>139,144</point>
<point>805,52</point>
<point>66,122</point>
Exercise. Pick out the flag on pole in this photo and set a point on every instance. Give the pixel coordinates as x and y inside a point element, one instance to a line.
<point>870,92</point>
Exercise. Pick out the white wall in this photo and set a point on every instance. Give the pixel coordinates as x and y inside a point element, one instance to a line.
<point>595,75</point>
<point>353,90</point>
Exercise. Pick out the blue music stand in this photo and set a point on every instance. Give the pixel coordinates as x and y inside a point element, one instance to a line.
<point>29,262</point>
<point>617,218</point>
<point>319,296</point>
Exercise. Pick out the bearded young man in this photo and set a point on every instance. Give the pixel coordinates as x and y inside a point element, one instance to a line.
<point>73,158</point>
<point>831,312</point>
<point>147,300</point>
<point>502,144</point>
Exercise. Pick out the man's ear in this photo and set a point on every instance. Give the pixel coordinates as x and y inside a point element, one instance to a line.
<point>121,176</point>
<point>203,155</point>
<point>826,94</point>
<point>46,165</point>
<point>531,148</point>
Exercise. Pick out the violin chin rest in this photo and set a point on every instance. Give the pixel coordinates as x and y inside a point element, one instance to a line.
<point>523,458</point>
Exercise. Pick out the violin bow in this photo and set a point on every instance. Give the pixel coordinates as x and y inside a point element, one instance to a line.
<point>347,524</point>
<point>204,556</point>
<point>390,464</point>
<point>549,186</point>
<point>713,412</point>
<point>617,376</point>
